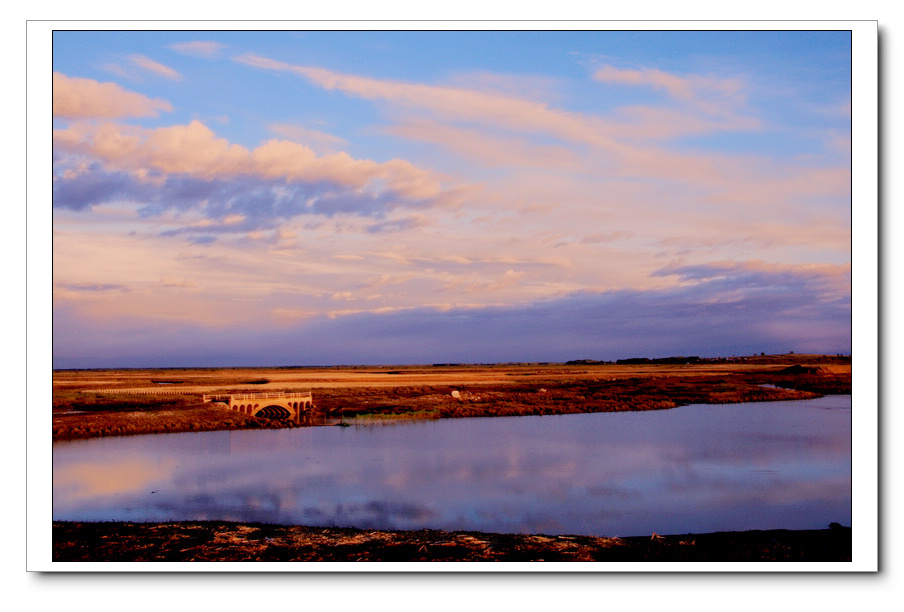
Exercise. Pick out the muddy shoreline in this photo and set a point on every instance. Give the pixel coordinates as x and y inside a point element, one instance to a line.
<point>255,542</point>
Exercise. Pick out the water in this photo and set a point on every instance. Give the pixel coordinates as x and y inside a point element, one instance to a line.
<point>694,469</point>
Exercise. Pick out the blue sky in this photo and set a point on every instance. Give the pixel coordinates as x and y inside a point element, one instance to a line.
<point>315,198</point>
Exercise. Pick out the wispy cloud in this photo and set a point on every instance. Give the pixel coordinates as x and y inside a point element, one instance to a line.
<point>92,287</point>
<point>179,283</point>
<point>399,225</point>
<point>831,281</point>
<point>489,148</point>
<point>451,102</point>
<point>199,48</point>
<point>623,144</point>
<point>77,98</point>
<point>313,138</point>
<point>714,95</point>
<point>155,67</point>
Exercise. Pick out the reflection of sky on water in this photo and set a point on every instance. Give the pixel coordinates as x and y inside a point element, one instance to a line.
<point>691,469</point>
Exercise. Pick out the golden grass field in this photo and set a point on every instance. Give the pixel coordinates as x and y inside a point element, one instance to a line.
<point>89,403</point>
<point>203,379</point>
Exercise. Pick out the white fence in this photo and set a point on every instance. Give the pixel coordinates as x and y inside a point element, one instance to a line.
<point>207,398</point>
<point>252,396</point>
<point>182,391</point>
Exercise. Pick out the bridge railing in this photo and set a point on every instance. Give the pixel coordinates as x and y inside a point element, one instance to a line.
<point>251,396</point>
<point>215,398</point>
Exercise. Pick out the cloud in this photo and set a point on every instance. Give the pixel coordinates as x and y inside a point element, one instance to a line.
<point>229,205</point>
<point>739,310</point>
<point>303,135</point>
<point>718,97</point>
<point>620,143</point>
<point>80,191</point>
<point>508,279</point>
<point>489,148</point>
<point>77,98</point>
<point>622,162</point>
<point>453,102</point>
<point>745,279</point>
<point>195,150</point>
<point>607,237</point>
<point>155,67</point>
<point>713,95</point>
<point>648,123</point>
<point>199,48</point>
<point>91,287</point>
<point>399,225</point>
<point>180,283</point>
<point>561,237</point>
<point>189,166</point>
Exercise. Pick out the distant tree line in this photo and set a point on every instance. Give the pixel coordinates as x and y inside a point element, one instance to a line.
<point>642,360</point>
<point>637,361</point>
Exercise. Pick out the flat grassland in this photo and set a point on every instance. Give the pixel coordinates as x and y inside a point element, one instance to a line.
<point>91,403</point>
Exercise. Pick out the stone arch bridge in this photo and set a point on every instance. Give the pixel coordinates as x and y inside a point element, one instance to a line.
<point>277,405</point>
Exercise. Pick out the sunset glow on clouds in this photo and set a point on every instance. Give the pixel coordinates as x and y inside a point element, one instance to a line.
<point>302,198</point>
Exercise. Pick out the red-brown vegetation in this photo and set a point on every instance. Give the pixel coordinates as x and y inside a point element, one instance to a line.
<point>222,541</point>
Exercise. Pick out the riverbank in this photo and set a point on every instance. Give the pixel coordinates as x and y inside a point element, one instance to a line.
<point>91,403</point>
<point>225,541</point>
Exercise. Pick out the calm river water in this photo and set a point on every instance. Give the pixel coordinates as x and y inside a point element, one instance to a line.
<point>694,469</point>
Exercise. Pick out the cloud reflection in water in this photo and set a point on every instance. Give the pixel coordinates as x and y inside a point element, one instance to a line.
<point>691,469</point>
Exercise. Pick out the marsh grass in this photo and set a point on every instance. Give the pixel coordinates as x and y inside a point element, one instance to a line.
<point>419,392</point>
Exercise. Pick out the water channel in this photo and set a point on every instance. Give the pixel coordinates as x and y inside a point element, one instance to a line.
<point>693,469</point>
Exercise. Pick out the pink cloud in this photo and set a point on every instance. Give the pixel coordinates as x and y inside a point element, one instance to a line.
<point>610,138</point>
<point>313,138</point>
<point>155,67</point>
<point>195,150</point>
<point>200,48</point>
<point>707,93</point>
<point>490,149</point>
<point>76,98</point>
<point>650,123</point>
<point>455,103</point>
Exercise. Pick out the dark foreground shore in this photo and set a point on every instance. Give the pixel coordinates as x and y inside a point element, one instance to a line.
<point>224,541</point>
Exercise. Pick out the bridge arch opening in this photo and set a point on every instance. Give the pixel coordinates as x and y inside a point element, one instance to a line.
<point>274,412</point>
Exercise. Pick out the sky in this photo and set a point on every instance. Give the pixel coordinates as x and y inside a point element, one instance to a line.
<point>362,197</point>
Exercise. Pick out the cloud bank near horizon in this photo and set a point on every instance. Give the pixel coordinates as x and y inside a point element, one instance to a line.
<point>732,310</point>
